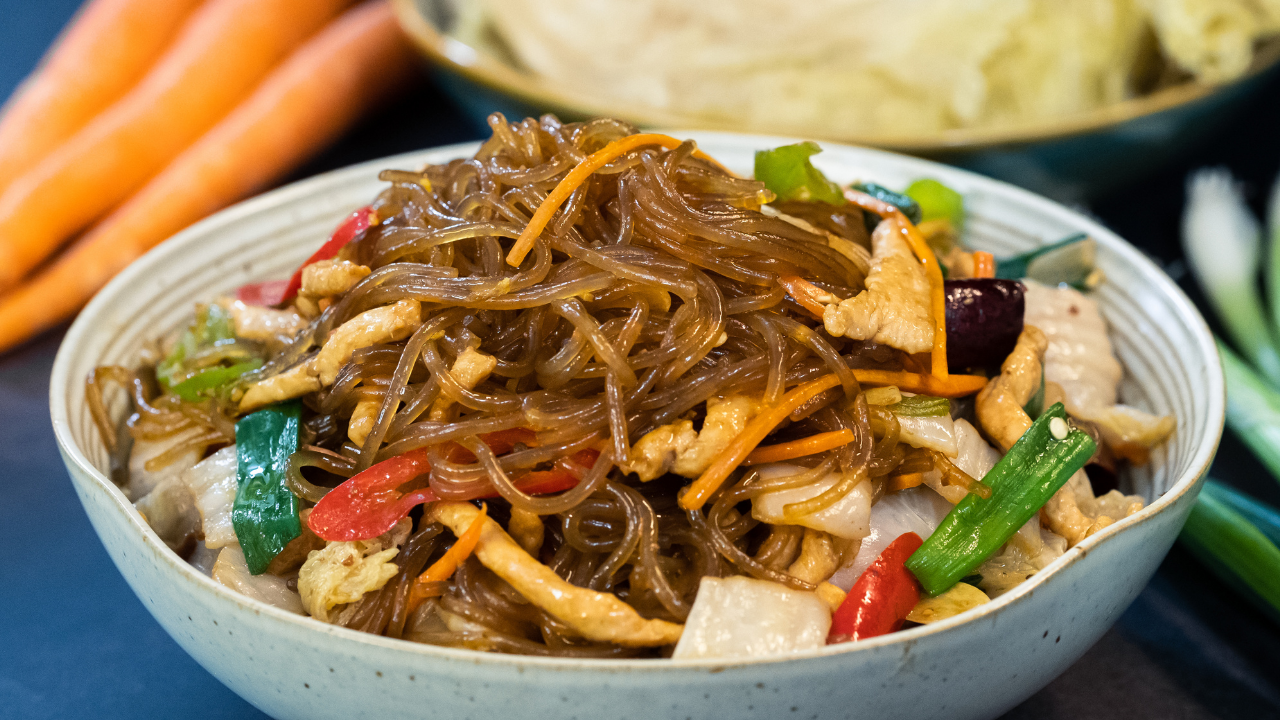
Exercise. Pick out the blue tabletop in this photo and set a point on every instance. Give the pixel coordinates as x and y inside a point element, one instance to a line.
<point>76,643</point>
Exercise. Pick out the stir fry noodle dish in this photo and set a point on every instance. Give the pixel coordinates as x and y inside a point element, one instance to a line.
<point>590,394</point>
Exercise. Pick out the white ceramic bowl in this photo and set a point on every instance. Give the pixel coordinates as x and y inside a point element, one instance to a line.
<point>975,665</point>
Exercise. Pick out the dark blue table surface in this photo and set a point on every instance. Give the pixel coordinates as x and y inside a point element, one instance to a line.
<point>76,643</point>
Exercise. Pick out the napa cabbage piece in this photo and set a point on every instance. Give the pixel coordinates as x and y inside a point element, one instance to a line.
<point>231,570</point>
<point>738,617</point>
<point>343,572</point>
<point>847,517</point>
<point>919,510</point>
<point>212,483</point>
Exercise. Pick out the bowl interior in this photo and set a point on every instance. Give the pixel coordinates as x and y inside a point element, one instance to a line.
<point>454,34</point>
<point>1171,364</point>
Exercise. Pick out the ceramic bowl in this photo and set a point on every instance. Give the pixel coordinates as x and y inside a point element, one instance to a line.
<point>971,666</point>
<point>1069,158</point>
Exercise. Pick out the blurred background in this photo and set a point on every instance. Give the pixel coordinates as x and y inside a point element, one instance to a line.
<point>1107,106</point>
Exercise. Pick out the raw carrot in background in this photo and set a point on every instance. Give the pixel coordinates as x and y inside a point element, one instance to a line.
<point>223,51</point>
<point>104,51</point>
<point>306,103</point>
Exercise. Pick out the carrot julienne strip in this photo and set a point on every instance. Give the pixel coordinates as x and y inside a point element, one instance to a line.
<point>811,445</point>
<point>931,268</point>
<point>697,494</point>
<point>903,482</point>
<point>984,264</point>
<point>809,296</point>
<point>578,175</point>
<point>447,565</point>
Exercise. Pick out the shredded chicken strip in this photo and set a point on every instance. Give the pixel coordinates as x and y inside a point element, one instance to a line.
<point>999,404</point>
<point>388,323</point>
<point>678,448</point>
<point>254,322</point>
<point>294,382</point>
<point>326,278</point>
<point>362,418</point>
<point>470,369</point>
<point>894,309</point>
<point>597,616</point>
<point>818,559</point>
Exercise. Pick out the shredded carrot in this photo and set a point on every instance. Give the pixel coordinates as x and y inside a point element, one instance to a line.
<point>760,426</point>
<point>447,565</point>
<point>903,482</point>
<point>952,386</point>
<point>931,268</point>
<point>579,175</point>
<point>811,445</point>
<point>984,264</point>
<point>809,296</point>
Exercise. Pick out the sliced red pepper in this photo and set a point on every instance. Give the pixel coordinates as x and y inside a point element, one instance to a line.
<point>369,503</point>
<point>883,596</point>
<point>274,292</point>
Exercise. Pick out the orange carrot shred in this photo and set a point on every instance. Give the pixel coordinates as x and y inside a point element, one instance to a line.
<point>761,425</point>
<point>808,295</point>
<point>932,270</point>
<point>984,264</point>
<point>903,482</point>
<point>577,176</point>
<point>447,565</point>
<point>811,445</point>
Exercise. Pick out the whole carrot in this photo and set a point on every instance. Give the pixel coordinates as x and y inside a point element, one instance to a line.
<point>223,51</point>
<point>321,90</point>
<point>103,52</point>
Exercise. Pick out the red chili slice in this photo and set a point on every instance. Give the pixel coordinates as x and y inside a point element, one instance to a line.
<point>274,292</point>
<point>883,596</point>
<point>369,503</point>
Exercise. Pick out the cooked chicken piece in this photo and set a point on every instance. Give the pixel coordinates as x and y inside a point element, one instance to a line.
<point>894,309</point>
<point>817,559</point>
<point>527,529</point>
<point>254,322</point>
<point>831,595</point>
<point>597,616</point>
<point>1075,514</point>
<point>1078,354</point>
<point>362,418</point>
<point>388,323</point>
<point>1080,360</point>
<point>470,369</point>
<point>344,571</point>
<point>678,448</point>
<point>326,278</point>
<point>1000,402</point>
<point>294,382</point>
<point>961,597</point>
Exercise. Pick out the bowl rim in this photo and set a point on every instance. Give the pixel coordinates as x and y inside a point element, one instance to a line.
<point>86,323</point>
<point>484,69</point>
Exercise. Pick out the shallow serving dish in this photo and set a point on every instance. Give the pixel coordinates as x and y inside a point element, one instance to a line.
<point>975,665</point>
<point>1069,158</point>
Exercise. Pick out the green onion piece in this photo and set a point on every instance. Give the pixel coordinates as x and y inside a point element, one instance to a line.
<point>1072,260</point>
<point>937,201</point>
<point>905,203</point>
<point>787,172</point>
<point>1023,481</point>
<point>1035,406</point>
<point>213,324</point>
<point>1253,409</point>
<point>1263,516</point>
<point>1222,241</point>
<point>1234,550</point>
<point>265,513</point>
<point>212,381</point>
<point>921,406</point>
<point>1273,259</point>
